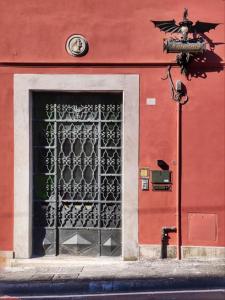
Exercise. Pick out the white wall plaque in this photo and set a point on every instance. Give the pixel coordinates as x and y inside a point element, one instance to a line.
<point>151,101</point>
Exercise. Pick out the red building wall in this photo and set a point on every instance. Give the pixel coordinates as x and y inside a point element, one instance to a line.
<point>123,40</point>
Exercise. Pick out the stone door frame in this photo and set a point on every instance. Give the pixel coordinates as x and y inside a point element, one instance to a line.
<point>24,84</point>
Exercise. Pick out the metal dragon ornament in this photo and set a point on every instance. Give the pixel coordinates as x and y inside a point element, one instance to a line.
<point>185,46</point>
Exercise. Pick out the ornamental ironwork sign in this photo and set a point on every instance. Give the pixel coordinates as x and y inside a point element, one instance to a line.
<point>185,46</point>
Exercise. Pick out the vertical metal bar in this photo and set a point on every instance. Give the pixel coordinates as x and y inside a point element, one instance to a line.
<point>31,175</point>
<point>179,149</point>
<point>99,177</point>
<point>55,182</point>
<point>122,114</point>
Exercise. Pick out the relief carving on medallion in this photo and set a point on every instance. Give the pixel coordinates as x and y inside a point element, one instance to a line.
<point>77,45</point>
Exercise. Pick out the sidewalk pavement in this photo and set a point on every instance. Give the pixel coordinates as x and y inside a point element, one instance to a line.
<point>108,275</point>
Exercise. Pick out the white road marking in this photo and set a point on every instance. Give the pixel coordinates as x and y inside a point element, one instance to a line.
<point>150,293</point>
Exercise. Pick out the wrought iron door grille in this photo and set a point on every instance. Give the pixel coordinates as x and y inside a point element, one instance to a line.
<point>77,173</point>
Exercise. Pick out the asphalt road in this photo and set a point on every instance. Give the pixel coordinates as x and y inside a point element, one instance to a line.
<point>218,294</point>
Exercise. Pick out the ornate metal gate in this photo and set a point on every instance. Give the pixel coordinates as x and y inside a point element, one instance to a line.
<point>77,173</point>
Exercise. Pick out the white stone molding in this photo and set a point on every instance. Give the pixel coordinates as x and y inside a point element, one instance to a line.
<point>6,254</point>
<point>203,252</point>
<point>188,252</point>
<point>24,84</point>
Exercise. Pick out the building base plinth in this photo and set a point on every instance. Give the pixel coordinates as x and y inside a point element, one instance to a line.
<point>188,252</point>
<point>5,257</point>
<point>203,252</point>
<point>154,251</point>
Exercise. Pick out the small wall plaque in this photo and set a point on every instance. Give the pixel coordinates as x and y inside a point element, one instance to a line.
<point>151,101</point>
<point>144,172</point>
<point>77,45</point>
<point>163,187</point>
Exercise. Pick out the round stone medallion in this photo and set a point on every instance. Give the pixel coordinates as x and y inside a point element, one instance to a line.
<point>77,45</point>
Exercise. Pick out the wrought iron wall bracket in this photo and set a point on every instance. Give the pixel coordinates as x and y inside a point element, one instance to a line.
<point>177,95</point>
<point>186,47</point>
<point>183,60</point>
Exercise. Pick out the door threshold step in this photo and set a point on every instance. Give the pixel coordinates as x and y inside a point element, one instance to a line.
<point>63,261</point>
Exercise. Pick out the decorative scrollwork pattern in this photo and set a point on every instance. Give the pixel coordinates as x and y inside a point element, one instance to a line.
<point>77,168</point>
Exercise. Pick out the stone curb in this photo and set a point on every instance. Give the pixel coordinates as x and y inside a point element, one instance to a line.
<point>80,286</point>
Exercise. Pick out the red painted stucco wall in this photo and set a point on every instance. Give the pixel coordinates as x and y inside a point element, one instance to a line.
<point>123,40</point>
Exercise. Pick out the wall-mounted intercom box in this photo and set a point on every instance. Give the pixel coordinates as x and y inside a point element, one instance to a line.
<point>145,184</point>
<point>161,180</point>
<point>161,176</point>
<point>144,174</point>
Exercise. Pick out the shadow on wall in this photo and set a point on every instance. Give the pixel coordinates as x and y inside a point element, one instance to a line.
<point>203,64</point>
<point>206,62</point>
